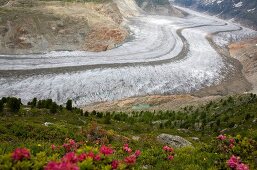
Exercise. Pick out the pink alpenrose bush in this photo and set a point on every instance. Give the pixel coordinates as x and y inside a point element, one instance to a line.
<point>115,164</point>
<point>221,137</point>
<point>20,154</point>
<point>106,150</point>
<point>73,156</point>
<point>61,166</point>
<point>126,148</point>
<point>138,153</point>
<point>130,160</point>
<point>236,164</point>
<point>169,151</point>
<point>232,146</point>
<point>170,157</point>
<point>70,157</point>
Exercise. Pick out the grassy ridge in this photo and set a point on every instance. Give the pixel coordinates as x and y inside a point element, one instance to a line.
<point>42,123</point>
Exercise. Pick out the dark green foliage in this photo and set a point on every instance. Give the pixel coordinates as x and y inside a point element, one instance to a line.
<point>99,114</point>
<point>53,108</point>
<point>205,122</point>
<point>13,104</point>
<point>69,105</point>
<point>231,124</point>
<point>1,105</point>
<point>247,116</point>
<point>86,114</point>
<point>93,112</point>
<point>107,118</point>
<point>218,122</point>
<point>44,103</point>
<point>34,102</point>
<point>48,103</point>
<point>4,99</point>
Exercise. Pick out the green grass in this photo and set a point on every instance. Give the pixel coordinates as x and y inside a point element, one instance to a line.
<point>234,115</point>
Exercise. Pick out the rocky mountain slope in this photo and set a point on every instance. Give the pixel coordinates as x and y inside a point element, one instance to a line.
<point>246,53</point>
<point>243,11</point>
<point>41,26</point>
<point>161,7</point>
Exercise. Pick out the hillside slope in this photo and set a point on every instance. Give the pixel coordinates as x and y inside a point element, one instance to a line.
<point>43,26</point>
<point>160,7</point>
<point>202,137</point>
<point>243,11</point>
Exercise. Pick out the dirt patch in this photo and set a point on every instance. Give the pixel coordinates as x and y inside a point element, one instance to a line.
<point>104,38</point>
<point>39,27</point>
<point>246,53</point>
<point>234,82</point>
<point>151,103</point>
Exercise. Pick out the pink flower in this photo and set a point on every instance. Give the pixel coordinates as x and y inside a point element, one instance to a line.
<point>130,160</point>
<point>61,166</point>
<point>170,157</point>
<point>106,150</point>
<point>221,137</point>
<point>53,147</point>
<point>138,153</point>
<point>70,146</point>
<point>126,148</point>
<point>231,145</point>
<point>20,153</point>
<point>242,167</point>
<point>91,155</point>
<point>72,142</point>
<point>233,162</point>
<point>70,157</point>
<point>97,157</point>
<point>232,141</point>
<point>168,149</point>
<point>67,147</point>
<point>115,164</point>
<point>52,166</point>
<point>82,157</point>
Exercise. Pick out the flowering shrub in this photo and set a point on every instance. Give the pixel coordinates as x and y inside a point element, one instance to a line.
<point>74,156</point>
<point>169,152</point>
<point>240,149</point>
<point>236,164</point>
<point>221,137</point>
<point>96,134</point>
<point>106,150</point>
<point>20,153</point>
<point>126,148</point>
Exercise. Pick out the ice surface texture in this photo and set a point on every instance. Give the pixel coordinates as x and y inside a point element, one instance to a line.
<point>141,66</point>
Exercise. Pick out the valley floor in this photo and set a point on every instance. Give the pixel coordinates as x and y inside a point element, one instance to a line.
<point>164,55</point>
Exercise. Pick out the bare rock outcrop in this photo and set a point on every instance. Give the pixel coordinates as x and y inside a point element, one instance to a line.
<point>174,141</point>
<point>160,7</point>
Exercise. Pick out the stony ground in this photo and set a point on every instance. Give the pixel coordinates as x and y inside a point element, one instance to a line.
<point>246,53</point>
<point>39,27</point>
<point>151,103</point>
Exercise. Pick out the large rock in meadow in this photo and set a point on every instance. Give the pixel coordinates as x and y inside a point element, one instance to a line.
<point>174,141</point>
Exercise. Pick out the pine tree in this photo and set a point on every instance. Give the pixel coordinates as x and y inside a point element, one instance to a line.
<point>1,105</point>
<point>69,105</point>
<point>53,108</point>
<point>13,104</point>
